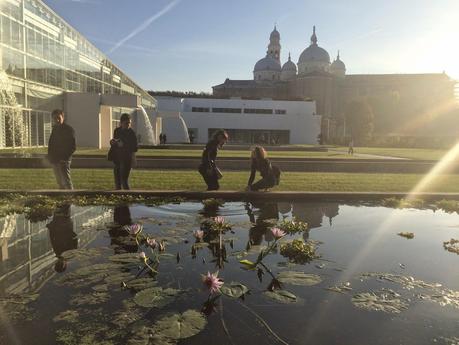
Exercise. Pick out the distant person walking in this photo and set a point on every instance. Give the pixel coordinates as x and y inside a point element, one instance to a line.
<point>191,136</point>
<point>122,151</point>
<point>164,139</point>
<point>270,175</point>
<point>208,168</point>
<point>61,147</point>
<point>350,151</point>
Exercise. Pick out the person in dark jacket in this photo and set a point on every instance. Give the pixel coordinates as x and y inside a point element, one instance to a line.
<point>208,168</point>
<point>124,146</point>
<point>61,235</point>
<point>61,147</point>
<point>261,163</point>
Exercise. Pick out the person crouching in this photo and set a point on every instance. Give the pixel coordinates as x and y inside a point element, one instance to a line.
<point>270,175</point>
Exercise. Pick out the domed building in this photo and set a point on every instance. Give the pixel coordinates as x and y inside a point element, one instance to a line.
<point>338,68</point>
<point>288,71</point>
<point>330,86</point>
<point>267,69</point>
<point>313,58</point>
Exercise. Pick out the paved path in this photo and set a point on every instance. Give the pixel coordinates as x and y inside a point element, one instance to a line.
<point>367,155</point>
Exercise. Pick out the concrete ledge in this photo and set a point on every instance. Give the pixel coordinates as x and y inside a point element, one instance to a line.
<point>243,196</point>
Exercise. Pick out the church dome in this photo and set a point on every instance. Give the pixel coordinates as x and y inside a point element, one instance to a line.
<point>275,34</point>
<point>268,63</point>
<point>289,65</point>
<point>314,53</point>
<point>338,67</point>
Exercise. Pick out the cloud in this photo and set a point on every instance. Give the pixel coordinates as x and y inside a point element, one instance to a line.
<point>145,24</point>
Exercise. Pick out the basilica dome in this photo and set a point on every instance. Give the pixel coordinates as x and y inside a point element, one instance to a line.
<point>289,65</point>
<point>268,63</point>
<point>313,58</point>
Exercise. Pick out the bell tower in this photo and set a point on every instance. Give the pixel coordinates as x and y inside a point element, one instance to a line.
<point>274,47</point>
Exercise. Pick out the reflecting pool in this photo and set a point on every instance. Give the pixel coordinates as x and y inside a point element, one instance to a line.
<point>136,274</point>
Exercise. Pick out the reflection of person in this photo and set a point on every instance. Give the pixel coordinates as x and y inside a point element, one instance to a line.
<point>266,211</point>
<point>261,163</point>
<point>61,235</point>
<point>124,146</point>
<point>118,234</point>
<point>61,147</point>
<point>208,168</point>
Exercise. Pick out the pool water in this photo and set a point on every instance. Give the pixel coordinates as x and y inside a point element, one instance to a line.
<point>77,279</point>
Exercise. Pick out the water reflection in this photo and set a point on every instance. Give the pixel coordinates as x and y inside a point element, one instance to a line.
<point>61,235</point>
<point>119,237</point>
<point>29,249</point>
<point>262,216</point>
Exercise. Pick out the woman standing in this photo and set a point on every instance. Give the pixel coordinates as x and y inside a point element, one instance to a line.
<point>123,147</point>
<point>208,168</point>
<point>269,175</point>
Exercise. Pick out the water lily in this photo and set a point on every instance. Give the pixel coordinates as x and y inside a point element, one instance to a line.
<point>134,229</point>
<point>198,234</point>
<point>212,282</point>
<point>152,243</point>
<point>142,256</point>
<point>162,246</point>
<point>277,233</point>
<point>219,220</point>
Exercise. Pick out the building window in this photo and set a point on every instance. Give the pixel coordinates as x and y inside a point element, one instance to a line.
<point>199,110</point>
<point>227,110</point>
<point>257,111</point>
<point>281,111</point>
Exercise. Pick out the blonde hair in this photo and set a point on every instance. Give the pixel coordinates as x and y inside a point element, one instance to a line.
<point>258,152</point>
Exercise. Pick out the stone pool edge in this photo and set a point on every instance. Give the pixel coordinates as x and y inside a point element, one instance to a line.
<point>238,195</point>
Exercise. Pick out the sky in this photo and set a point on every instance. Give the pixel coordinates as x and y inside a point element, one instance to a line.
<point>191,45</point>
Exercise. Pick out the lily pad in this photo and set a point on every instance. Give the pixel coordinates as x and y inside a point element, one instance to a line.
<point>407,235</point>
<point>452,246</point>
<point>387,301</point>
<point>141,283</point>
<point>340,288</point>
<point>407,282</point>
<point>234,290</point>
<point>299,278</point>
<point>82,253</point>
<point>89,299</point>
<point>156,297</point>
<point>298,251</point>
<point>180,326</point>
<point>282,296</point>
<point>70,316</point>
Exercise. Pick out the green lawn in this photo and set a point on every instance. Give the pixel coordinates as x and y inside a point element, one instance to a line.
<point>190,180</point>
<point>339,152</point>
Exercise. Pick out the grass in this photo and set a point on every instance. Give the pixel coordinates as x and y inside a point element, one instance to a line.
<point>196,153</point>
<point>335,153</point>
<point>23,179</point>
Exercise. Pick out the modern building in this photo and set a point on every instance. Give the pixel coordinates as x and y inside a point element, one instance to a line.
<point>397,100</point>
<point>247,121</point>
<point>46,64</point>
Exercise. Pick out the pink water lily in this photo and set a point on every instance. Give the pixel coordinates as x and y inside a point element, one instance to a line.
<point>219,220</point>
<point>142,256</point>
<point>212,282</point>
<point>134,229</point>
<point>152,242</point>
<point>198,234</point>
<point>277,233</point>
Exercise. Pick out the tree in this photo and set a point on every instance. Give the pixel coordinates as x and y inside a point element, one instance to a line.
<point>359,121</point>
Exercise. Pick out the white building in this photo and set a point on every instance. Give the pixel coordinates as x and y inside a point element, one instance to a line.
<point>246,121</point>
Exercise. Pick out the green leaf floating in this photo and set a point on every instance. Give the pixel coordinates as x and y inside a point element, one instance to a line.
<point>180,326</point>
<point>299,278</point>
<point>282,296</point>
<point>234,290</point>
<point>156,297</point>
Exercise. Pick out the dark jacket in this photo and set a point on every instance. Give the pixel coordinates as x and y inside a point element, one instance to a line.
<point>209,155</point>
<point>263,166</point>
<point>61,143</point>
<point>129,140</point>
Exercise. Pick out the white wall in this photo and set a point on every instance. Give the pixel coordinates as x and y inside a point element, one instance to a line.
<point>304,127</point>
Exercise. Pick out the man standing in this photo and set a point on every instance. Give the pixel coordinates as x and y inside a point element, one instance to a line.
<point>61,146</point>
